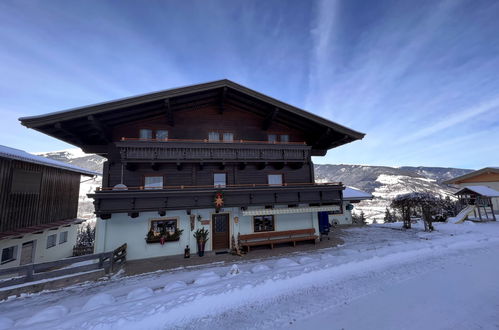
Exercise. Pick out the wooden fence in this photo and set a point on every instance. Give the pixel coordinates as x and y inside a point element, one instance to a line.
<point>82,250</point>
<point>50,270</point>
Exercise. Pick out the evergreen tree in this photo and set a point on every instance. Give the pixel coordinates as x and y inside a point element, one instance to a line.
<point>388,216</point>
<point>86,235</point>
<point>362,218</point>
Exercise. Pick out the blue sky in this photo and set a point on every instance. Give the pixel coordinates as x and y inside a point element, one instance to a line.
<point>420,78</point>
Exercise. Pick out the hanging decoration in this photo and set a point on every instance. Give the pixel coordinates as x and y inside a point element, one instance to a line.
<point>219,200</point>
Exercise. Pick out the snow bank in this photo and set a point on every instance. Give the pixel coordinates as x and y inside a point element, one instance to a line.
<point>140,293</point>
<point>48,314</point>
<point>234,270</point>
<point>285,262</point>
<point>99,300</point>
<point>174,286</point>
<point>260,268</point>
<point>305,260</point>
<point>206,278</point>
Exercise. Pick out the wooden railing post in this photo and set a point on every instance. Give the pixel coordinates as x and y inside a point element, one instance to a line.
<point>29,272</point>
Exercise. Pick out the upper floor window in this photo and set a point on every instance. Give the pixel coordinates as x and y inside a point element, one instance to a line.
<point>219,180</point>
<point>162,134</point>
<point>218,136</point>
<point>146,134</point>
<point>273,138</point>
<point>153,182</point>
<point>275,179</point>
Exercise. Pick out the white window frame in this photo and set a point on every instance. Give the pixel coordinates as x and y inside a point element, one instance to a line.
<point>272,182</point>
<point>63,237</point>
<point>217,182</point>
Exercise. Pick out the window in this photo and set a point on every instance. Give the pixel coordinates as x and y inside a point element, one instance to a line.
<point>263,223</point>
<point>162,134</point>
<point>163,227</point>
<point>228,137</point>
<point>63,237</point>
<point>275,179</point>
<point>284,138</point>
<point>213,136</point>
<point>9,254</point>
<point>153,182</point>
<point>146,134</point>
<point>219,179</point>
<point>25,181</point>
<point>51,241</point>
<point>272,138</point>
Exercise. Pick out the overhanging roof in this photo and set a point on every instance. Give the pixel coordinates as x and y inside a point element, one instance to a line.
<point>480,190</point>
<point>352,194</point>
<point>472,174</point>
<point>70,125</point>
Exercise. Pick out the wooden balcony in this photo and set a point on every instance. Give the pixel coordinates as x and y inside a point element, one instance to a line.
<point>135,150</point>
<point>134,200</point>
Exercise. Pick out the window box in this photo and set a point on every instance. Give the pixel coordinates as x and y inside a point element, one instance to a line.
<point>162,231</point>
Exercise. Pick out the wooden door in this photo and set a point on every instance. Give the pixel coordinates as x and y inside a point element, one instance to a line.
<point>27,253</point>
<point>220,231</point>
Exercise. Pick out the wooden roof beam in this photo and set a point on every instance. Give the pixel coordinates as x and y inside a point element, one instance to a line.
<point>103,130</point>
<point>169,113</point>
<point>325,136</point>
<point>270,118</point>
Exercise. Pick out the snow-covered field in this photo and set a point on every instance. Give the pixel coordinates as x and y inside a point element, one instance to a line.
<point>381,278</point>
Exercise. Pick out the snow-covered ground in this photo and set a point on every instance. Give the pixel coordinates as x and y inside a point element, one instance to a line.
<point>381,278</point>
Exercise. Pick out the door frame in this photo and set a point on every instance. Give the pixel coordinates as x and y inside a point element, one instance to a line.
<point>33,251</point>
<point>229,229</point>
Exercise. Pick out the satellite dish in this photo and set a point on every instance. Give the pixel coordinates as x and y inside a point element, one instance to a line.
<point>120,186</point>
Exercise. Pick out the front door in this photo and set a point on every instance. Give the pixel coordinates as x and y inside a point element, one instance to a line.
<point>27,253</point>
<point>220,230</point>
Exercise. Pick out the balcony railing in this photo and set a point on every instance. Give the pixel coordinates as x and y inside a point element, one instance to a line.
<point>138,199</point>
<point>204,150</point>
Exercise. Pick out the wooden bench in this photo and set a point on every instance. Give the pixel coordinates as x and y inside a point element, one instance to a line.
<point>276,237</point>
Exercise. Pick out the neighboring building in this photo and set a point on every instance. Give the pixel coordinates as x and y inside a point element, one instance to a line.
<point>350,196</point>
<point>217,156</point>
<point>487,177</point>
<point>481,199</point>
<point>38,208</point>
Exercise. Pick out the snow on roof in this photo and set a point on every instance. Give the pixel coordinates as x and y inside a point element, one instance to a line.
<point>21,155</point>
<point>481,190</point>
<point>355,194</point>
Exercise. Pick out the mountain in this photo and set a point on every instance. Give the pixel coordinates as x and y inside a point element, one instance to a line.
<point>382,181</point>
<point>387,182</point>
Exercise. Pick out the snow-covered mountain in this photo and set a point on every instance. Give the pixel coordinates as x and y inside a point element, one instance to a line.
<point>382,181</point>
<point>387,182</point>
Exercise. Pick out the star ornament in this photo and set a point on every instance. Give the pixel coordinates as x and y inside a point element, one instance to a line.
<point>219,200</point>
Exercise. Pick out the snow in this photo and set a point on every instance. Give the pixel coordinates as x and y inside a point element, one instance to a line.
<point>5,323</point>
<point>482,190</point>
<point>21,155</point>
<point>382,275</point>
<point>97,301</point>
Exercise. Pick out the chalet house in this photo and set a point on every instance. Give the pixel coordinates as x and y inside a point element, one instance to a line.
<point>217,156</point>
<point>38,208</point>
<point>481,189</point>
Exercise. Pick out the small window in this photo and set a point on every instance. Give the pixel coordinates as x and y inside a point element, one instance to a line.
<point>51,241</point>
<point>213,136</point>
<point>275,179</point>
<point>146,134</point>
<point>63,237</point>
<point>9,254</point>
<point>272,138</point>
<point>284,138</point>
<point>228,137</point>
<point>263,223</point>
<point>153,182</point>
<point>162,135</point>
<point>163,227</point>
<point>219,179</point>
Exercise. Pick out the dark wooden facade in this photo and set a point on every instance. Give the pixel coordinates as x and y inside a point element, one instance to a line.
<point>188,159</point>
<point>50,195</point>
